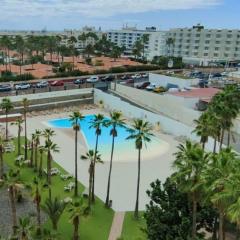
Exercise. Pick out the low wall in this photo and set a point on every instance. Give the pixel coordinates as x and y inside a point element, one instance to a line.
<point>167,125</point>
<point>163,80</point>
<point>171,106</point>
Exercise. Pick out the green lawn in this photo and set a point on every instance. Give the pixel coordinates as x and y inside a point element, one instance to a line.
<point>96,226</point>
<point>132,228</point>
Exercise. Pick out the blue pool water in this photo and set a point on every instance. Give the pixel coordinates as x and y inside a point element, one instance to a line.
<point>89,133</point>
<point>124,149</point>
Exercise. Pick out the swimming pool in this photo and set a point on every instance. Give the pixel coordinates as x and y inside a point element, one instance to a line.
<point>124,149</point>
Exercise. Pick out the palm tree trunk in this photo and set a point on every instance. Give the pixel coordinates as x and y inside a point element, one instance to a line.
<point>194,217</point>
<point>110,172</point>
<point>19,140</point>
<point>1,162</point>
<point>90,185</point>
<point>138,184</point>
<point>228,137</point>
<point>221,140</point>
<point>215,145</point>
<point>40,165</point>
<point>31,156</point>
<point>221,220</point>
<point>38,212</point>
<point>76,165</point>
<point>76,227</point>
<point>94,165</point>
<point>49,167</point>
<point>203,145</point>
<point>6,126</point>
<point>36,157</point>
<point>13,208</point>
<point>25,137</point>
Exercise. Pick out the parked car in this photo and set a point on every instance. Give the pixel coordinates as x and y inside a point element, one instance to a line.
<point>79,81</point>
<point>42,84</point>
<point>143,85</point>
<point>5,88</point>
<point>22,86</point>
<point>129,81</point>
<point>124,77</point>
<point>57,83</point>
<point>93,79</point>
<point>108,78</point>
<point>144,75</point>
<point>151,87</point>
<point>136,76</point>
<point>159,90</point>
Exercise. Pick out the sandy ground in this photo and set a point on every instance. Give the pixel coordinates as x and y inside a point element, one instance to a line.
<point>124,174</point>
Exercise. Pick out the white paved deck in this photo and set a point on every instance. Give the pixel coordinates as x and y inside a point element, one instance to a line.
<point>124,174</point>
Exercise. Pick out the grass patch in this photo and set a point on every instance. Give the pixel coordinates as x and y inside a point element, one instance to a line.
<point>132,228</point>
<point>96,226</point>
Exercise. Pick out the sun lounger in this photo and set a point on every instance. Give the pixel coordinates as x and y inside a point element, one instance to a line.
<point>69,187</point>
<point>85,193</point>
<point>65,176</point>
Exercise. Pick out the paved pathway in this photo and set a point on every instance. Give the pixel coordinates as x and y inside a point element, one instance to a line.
<point>117,224</point>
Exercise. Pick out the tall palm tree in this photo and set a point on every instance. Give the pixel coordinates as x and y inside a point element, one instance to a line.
<point>48,133</point>
<point>54,209</point>
<point>114,122</point>
<point>76,210</point>
<point>1,158</point>
<point>25,104</point>
<point>215,177</point>
<point>190,164</point>
<point>13,184</point>
<point>37,135</point>
<point>75,119</point>
<point>21,48</point>
<point>37,201</point>
<point>97,123</point>
<point>24,229</point>
<point>50,147</point>
<point>141,134</point>
<point>32,149</point>
<point>18,123</point>
<point>40,169</point>
<point>6,106</point>
<point>93,158</point>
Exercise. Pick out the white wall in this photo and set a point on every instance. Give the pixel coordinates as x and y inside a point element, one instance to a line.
<point>167,125</point>
<point>162,80</point>
<point>171,106</point>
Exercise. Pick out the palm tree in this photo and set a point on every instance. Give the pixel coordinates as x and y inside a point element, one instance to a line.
<point>75,118</point>
<point>18,123</point>
<point>93,158</point>
<point>25,228</point>
<point>115,121</point>
<point>202,128</point>
<point>48,133</point>
<point>6,106</point>
<point>37,201</point>
<point>49,148</point>
<point>25,104</point>
<point>37,135</point>
<point>32,150</point>
<point>13,184</point>
<point>54,209</point>
<point>40,169</point>
<point>141,134</point>
<point>97,123</point>
<point>190,164</point>
<point>76,210</point>
<point>215,178</point>
<point>1,158</point>
<point>20,47</point>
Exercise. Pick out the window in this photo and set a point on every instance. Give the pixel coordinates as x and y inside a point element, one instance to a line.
<point>218,35</point>
<point>217,42</point>
<point>229,36</point>
<point>197,35</point>
<point>196,47</point>
<point>205,54</point>
<point>206,48</point>
<point>215,54</point>
<point>196,41</point>
<point>208,35</point>
<point>207,42</point>
<point>216,48</point>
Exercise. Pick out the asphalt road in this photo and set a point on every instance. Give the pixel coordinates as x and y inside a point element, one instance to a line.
<point>67,86</point>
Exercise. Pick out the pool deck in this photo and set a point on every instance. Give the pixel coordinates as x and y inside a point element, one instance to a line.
<point>124,174</point>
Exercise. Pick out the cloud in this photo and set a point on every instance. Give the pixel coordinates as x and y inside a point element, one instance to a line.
<point>95,8</point>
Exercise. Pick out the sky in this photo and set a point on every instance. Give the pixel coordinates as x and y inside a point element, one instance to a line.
<point>113,14</point>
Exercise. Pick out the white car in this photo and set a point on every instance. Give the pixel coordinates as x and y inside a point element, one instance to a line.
<point>22,86</point>
<point>136,76</point>
<point>145,75</point>
<point>93,79</point>
<point>151,87</point>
